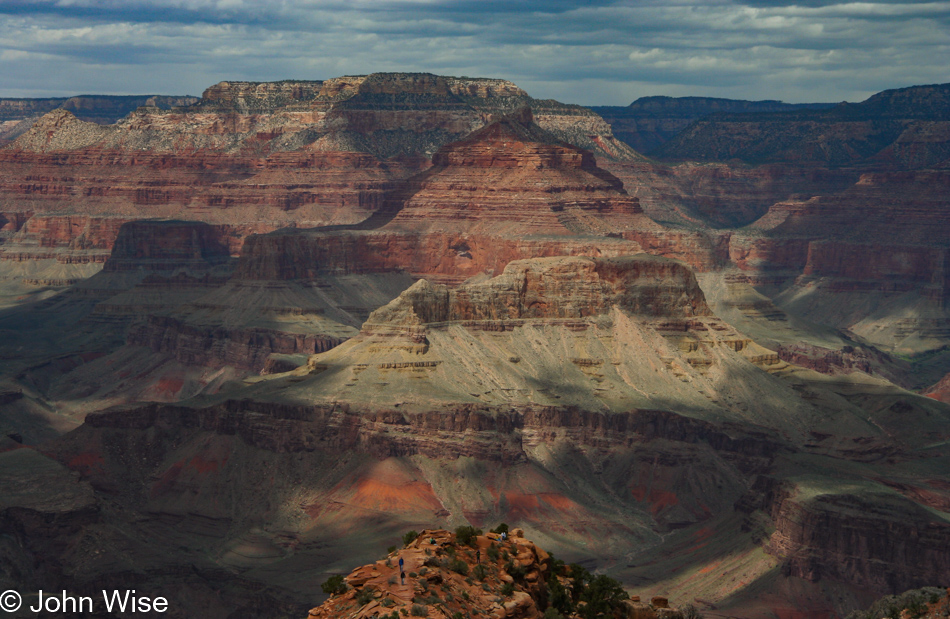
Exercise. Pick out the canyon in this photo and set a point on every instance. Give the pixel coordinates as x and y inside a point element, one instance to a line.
<point>251,339</point>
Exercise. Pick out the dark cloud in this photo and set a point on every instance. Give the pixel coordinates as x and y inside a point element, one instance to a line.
<point>606,52</point>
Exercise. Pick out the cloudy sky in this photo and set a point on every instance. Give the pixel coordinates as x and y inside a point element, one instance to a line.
<point>606,52</point>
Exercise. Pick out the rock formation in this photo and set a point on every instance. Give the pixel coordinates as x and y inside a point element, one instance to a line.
<point>457,220</point>
<point>858,259</point>
<point>940,390</point>
<point>200,159</point>
<point>515,577</point>
<point>650,122</point>
<point>100,109</point>
<point>894,129</point>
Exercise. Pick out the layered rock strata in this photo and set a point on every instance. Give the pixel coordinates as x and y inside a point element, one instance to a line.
<point>873,539</point>
<point>483,403</point>
<point>905,128</point>
<point>101,109</point>
<point>268,154</point>
<point>870,259</point>
<point>650,122</point>
<point>508,191</point>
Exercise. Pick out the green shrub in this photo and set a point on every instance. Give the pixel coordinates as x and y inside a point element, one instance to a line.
<point>603,595</point>
<point>467,535</point>
<point>365,596</point>
<point>418,610</point>
<point>892,605</point>
<point>391,550</point>
<point>579,579</point>
<point>493,552</point>
<point>690,612</point>
<point>552,613</point>
<point>516,570</point>
<point>502,528</point>
<point>480,572</point>
<point>558,596</point>
<point>387,603</point>
<point>507,589</point>
<point>409,537</point>
<point>459,567</point>
<point>335,585</point>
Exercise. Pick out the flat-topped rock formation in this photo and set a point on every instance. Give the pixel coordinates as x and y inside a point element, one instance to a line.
<point>259,156</point>
<point>18,114</point>
<point>555,288</point>
<point>649,122</point>
<point>905,128</point>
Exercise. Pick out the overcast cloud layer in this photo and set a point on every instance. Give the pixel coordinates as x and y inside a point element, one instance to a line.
<point>593,53</point>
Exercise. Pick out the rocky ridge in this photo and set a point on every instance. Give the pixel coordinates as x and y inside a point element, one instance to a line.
<point>903,129</point>
<point>516,577</point>
<point>650,122</point>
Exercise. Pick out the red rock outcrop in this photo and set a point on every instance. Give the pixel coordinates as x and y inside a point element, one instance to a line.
<point>166,246</point>
<point>844,259</point>
<point>720,195</point>
<point>827,361</point>
<point>438,558</point>
<point>513,174</point>
<point>940,391</point>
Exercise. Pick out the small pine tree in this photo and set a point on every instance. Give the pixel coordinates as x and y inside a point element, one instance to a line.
<point>335,585</point>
